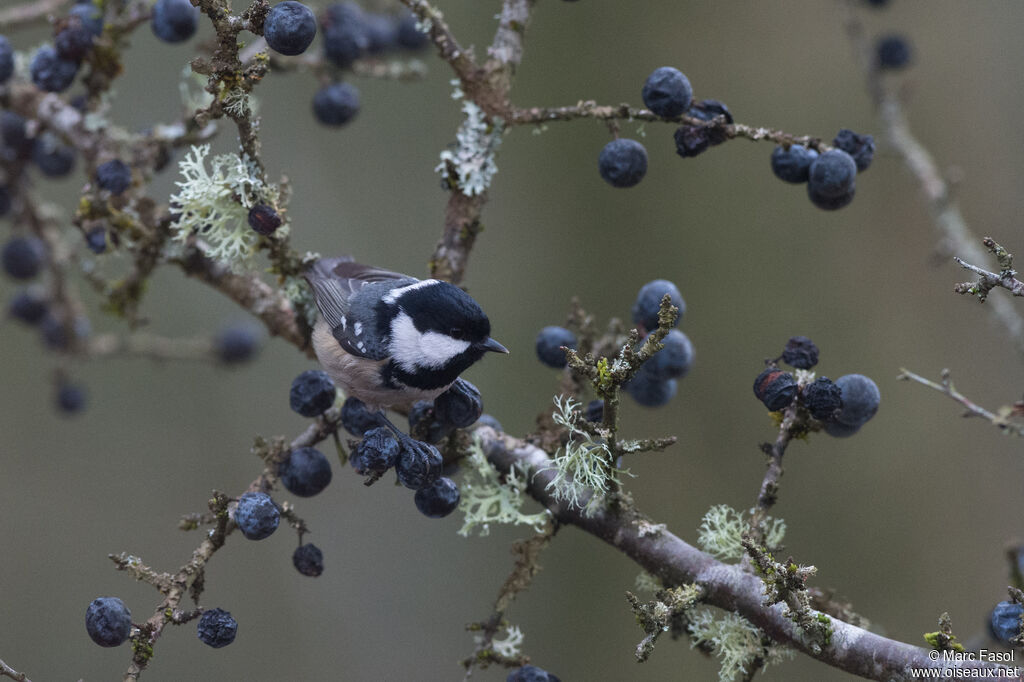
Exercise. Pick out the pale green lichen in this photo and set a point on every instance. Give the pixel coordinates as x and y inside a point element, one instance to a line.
<point>646,582</point>
<point>238,102</point>
<point>721,532</point>
<point>584,469</point>
<point>486,499</point>
<point>471,165</point>
<point>734,640</point>
<point>298,292</point>
<point>214,204</point>
<point>510,646</point>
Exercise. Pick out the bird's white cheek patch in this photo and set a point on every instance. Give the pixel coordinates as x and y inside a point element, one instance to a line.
<point>413,349</point>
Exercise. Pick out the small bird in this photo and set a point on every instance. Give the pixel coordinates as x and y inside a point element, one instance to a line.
<point>390,339</point>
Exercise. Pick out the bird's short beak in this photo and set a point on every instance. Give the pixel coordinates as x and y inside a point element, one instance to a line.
<point>491,344</point>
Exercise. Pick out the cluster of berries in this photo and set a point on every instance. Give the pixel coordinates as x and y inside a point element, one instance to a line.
<point>667,93</point>
<point>109,622</point>
<point>417,463</point>
<point>842,406</point>
<point>656,382</point>
<point>829,176</point>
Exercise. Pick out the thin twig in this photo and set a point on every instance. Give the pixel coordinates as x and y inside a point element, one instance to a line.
<point>987,281</point>
<point>8,671</point>
<point>1000,420</point>
<point>957,237</point>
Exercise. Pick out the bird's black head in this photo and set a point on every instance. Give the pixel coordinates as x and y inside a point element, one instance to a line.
<point>437,332</point>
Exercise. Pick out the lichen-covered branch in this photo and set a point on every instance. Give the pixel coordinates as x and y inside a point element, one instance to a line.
<point>999,419</point>
<point>675,562</point>
<point>987,280</point>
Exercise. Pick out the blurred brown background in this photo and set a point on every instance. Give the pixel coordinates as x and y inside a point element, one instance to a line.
<point>907,519</point>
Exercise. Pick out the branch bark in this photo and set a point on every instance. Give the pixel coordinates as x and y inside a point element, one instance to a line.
<point>852,649</point>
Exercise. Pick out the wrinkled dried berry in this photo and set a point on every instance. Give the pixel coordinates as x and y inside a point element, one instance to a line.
<point>692,140</point>
<point>775,388</point>
<point>822,398</point>
<point>460,405</point>
<point>800,352</point>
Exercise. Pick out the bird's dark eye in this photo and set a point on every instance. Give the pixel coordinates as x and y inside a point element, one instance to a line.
<point>456,333</point>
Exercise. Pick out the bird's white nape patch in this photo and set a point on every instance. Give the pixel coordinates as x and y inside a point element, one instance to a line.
<point>413,349</point>
<point>396,294</point>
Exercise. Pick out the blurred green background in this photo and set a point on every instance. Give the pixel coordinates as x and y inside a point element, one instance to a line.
<point>907,519</point>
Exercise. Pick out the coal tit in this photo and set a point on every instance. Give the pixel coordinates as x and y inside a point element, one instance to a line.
<point>390,339</point>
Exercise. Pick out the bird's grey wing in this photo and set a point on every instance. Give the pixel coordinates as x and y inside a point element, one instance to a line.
<point>335,281</point>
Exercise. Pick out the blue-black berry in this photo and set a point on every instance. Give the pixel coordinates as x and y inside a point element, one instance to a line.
<point>14,131</point>
<point>419,464</point>
<point>549,345</point>
<point>108,621</point>
<point>381,32</point>
<point>775,388</point>
<point>1004,622</point>
<point>439,499</point>
<point>376,452</point>
<point>336,104</point>
<point>312,393</point>
<point>264,219</point>
<point>490,421</point>
<point>648,303</point>
<point>674,360</point>
<point>622,163</point>
<point>793,164</point>
<point>594,412</point>
<point>5,200</point>
<point>860,399</point>
<point>409,36</point>
<point>306,472</point>
<point>709,110</point>
<point>892,52</point>
<point>344,32</point>
<point>530,673</point>
<point>840,430</point>
<point>235,344</point>
<point>89,14</point>
<point>23,257</point>
<point>651,392</point>
<point>54,158</point>
<point>290,27</point>
<point>50,72</point>
<point>175,21</point>
<point>6,59</point>
<point>667,92</point>
<point>460,405</point>
<point>830,203</point>
<point>424,424</point>
<point>860,147</point>
<point>257,516</point>
<point>96,240</point>
<point>800,352</point>
<point>216,628</point>
<point>28,305</point>
<point>114,176</point>
<point>70,398</point>
<point>308,560</point>
<point>356,418</point>
<point>822,398</point>
<point>830,182</point>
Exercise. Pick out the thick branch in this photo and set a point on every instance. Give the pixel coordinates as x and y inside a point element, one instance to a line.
<point>675,562</point>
